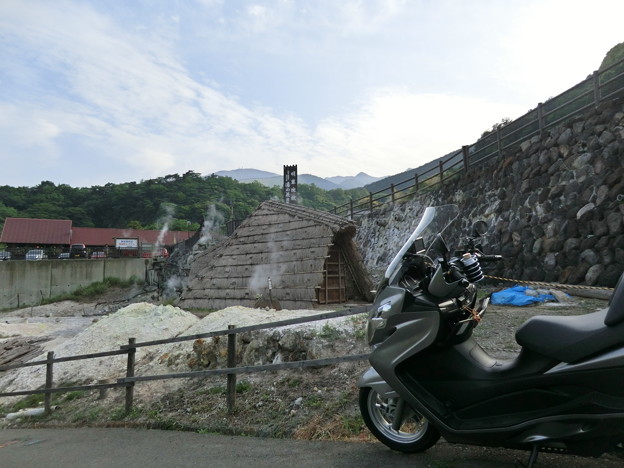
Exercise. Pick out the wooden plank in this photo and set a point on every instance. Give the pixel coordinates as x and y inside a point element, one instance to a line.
<point>249,369</point>
<point>16,353</point>
<point>66,359</point>
<point>64,389</point>
<point>20,349</point>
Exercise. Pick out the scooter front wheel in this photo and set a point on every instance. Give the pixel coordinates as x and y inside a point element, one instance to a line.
<point>395,424</point>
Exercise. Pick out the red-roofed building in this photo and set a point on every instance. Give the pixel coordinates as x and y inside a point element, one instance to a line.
<point>56,235</point>
<point>106,236</point>
<point>26,231</point>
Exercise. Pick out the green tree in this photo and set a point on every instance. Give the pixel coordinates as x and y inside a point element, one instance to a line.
<point>615,54</point>
<point>134,224</point>
<point>6,212</point>
<point>145,204</point>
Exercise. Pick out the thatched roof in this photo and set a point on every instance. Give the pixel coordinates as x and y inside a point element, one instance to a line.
<point>285,242</point>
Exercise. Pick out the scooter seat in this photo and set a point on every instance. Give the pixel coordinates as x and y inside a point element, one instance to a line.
<point>569,338</point>
<point>572,338</point>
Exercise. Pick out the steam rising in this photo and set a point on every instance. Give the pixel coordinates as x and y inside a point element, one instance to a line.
<point>274,269</point>
<point>212,222</point>
<point>165,221</point>
<point>179,263</point>
<point>173,285</point>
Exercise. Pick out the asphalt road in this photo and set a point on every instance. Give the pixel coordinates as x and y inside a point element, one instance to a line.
<point>99,448</point>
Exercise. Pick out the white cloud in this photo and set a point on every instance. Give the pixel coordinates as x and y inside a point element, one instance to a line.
<point>155,160</point>
<point>120,92</point>
<point>553,44</point>
<point>398,129</point>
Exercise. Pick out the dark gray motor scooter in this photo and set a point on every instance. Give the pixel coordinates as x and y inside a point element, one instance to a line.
<point>564,391</point>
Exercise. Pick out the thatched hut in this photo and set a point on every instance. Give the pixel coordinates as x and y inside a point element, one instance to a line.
<point>307,256</point>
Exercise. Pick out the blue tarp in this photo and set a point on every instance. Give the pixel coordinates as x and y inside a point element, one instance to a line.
<point>517,296</point>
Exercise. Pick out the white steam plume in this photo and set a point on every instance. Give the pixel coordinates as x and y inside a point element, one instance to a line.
<point>212,221</point>
<point>166,221</point>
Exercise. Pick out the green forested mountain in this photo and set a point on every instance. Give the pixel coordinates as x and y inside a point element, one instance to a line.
<point>187,198</point>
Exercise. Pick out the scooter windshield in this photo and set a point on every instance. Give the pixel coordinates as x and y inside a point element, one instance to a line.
<point>434,221</point>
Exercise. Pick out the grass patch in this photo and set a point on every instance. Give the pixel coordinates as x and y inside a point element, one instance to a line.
<point>315,401</point>
<point>120,414</point>
<point>218,390</point>
<point>87,416</point>
<point>169,425</point>
<point>352,425</point>
<point>93,290</point>
<point>69,396</point>
<point>31,401</point>
<point>330,333</point>
<point>359,326</point>
<point>243,386</point>
<point>294,382</point>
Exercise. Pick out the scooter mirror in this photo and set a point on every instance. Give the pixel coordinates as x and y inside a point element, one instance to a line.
<point>479,228</point>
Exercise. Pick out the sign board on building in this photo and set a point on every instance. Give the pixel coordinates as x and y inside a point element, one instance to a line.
<point>290,184</point>
<point>126,243</point>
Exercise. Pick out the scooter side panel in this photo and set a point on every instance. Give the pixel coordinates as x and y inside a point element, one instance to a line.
<point>611,359</point>
<point>411,335</point>
<point>478,394</point>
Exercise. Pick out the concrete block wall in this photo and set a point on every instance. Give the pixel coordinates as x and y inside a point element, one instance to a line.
<point>24,283</point>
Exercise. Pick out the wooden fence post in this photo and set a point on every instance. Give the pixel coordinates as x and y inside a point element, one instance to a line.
<point>370,202</point>
<point>49,382</point>
<point>130,373</point>
<point>540,118</point>
<point>596,79</point>
<point>466,154</point>
<point>351,208</point>
<point>231,378</point>
<point>392,192</point>
<point>103,391</point>
<point>441,172</point>
<point>415,181</point>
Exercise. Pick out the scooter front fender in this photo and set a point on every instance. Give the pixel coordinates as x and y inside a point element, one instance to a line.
<point>372,379</point>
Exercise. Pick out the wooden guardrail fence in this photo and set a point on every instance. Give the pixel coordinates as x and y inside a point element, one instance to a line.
<point>599,87</point>
<point>128,382</point>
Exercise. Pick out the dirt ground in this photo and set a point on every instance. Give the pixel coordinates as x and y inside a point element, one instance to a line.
<point>314,404</point>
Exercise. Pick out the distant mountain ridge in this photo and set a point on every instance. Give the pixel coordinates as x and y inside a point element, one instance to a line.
<point>270,179</point>
<point>359,180</point>
<point>385,182</point>
<point>246,174</point>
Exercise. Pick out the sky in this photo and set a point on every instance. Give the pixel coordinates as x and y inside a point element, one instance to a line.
<point>109,91</point>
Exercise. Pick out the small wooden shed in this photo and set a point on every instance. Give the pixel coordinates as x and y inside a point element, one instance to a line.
<point>297,256</point>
